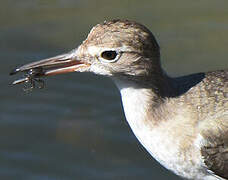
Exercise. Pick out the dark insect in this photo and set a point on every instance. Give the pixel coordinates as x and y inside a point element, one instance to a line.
<point>32,78</point>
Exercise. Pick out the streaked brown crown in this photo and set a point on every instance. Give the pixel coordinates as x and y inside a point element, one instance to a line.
<point>120,33</point>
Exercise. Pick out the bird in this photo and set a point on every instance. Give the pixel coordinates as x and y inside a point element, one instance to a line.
<point>181,121</point>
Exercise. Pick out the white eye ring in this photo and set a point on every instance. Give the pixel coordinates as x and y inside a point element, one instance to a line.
<point>109,56</point>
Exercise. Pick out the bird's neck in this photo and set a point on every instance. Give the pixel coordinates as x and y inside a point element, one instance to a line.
<point>144,101</point>
<point>145,111</point>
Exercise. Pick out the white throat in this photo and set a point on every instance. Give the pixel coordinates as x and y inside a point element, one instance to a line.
<point>136,103</point>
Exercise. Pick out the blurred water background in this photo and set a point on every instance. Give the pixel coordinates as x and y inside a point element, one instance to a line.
<point>75,127</point>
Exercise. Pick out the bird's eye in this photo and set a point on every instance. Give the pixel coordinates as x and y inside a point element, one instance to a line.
<point>109,55</point>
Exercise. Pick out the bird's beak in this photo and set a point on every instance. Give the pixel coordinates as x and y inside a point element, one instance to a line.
<point>64,63</point>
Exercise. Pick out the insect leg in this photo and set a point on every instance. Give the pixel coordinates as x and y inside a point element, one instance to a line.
<point>40,82</point>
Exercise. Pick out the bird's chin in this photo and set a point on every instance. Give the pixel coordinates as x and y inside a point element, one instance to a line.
<point>100,70</point>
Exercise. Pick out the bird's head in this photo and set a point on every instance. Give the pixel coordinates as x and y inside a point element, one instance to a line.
<point>118,47</point>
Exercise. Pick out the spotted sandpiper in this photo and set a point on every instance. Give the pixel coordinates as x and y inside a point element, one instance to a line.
<point>182,121</point>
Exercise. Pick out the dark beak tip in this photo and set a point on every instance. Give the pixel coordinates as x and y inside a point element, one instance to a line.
<point>14,71</point>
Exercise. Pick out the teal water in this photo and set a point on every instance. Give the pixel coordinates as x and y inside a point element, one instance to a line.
<point>75,127</point>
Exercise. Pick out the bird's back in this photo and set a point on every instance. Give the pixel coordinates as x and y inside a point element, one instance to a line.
<point>205,95</point>
<point>206,92</point>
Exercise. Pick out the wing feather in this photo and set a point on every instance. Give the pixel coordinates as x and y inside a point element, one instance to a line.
<point>214,149</point>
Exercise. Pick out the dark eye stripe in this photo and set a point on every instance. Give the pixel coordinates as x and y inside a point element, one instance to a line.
<point>109,55</point>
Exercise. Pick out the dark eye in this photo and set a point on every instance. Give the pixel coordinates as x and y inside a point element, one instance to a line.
<point>109,55</point>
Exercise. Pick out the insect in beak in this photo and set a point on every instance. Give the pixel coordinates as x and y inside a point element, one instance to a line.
<point>32,77</point>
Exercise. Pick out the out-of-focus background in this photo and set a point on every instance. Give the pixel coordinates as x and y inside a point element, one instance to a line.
<point>75,127</point>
